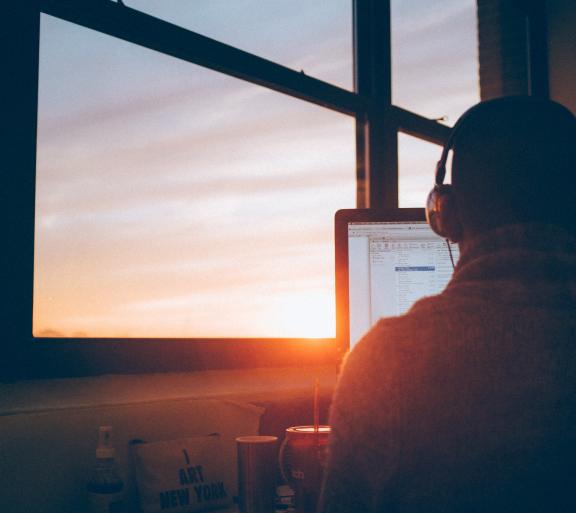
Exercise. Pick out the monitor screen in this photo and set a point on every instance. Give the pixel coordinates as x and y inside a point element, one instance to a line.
<point>390,266</point>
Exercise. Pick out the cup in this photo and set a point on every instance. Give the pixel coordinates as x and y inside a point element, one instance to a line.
<point>257,466</point>
<point>302,460</point>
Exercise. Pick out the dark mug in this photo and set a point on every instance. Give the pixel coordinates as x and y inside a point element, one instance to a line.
<point>302,460</point>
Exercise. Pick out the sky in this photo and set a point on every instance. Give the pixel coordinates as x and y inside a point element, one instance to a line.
<point>175,201</point>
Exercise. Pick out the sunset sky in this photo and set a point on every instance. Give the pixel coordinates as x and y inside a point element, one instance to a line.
<point>174,201</point>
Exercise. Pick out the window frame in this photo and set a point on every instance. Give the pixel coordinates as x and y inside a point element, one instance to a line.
<point>377,125</point>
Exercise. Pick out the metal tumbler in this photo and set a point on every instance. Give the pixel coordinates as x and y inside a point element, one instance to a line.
<point>257,464</point>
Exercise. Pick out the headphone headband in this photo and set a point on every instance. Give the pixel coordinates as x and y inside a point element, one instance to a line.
<point>441,164</point>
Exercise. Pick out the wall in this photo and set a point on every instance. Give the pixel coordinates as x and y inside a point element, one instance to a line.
<point>503,48</point>
<point>561,16</point>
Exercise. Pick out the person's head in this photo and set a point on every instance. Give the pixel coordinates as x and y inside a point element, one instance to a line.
<point>514,161</point>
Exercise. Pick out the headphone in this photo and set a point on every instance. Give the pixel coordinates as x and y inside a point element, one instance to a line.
<point>441,209</point>
<point>441,206</point>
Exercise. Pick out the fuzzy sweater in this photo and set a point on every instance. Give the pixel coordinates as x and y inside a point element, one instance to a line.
<point>467,402</point>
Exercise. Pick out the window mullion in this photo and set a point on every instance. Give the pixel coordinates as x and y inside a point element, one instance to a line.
<point>376,140</point>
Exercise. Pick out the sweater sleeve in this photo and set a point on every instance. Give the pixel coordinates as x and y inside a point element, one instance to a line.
<point>364,445</point>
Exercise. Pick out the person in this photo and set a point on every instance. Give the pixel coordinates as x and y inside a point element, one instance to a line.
<point>468,401</point>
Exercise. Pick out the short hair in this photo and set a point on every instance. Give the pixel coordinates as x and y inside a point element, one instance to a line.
<point>515,162</point>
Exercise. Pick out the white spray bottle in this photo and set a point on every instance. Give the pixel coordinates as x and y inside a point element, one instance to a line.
<point>105,488</point>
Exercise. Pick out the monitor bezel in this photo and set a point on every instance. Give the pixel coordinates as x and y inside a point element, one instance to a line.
<point>341,220</point>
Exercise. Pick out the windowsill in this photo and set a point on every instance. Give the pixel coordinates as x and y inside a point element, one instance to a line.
<point>252,385</point>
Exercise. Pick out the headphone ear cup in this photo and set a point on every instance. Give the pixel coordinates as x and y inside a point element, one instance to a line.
<point>441,213</point>
<point>433,210</point>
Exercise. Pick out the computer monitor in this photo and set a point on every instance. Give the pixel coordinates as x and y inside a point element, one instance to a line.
<point>386,260</point>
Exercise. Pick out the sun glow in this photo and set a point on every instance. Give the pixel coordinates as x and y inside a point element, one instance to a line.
<point>308,315</point>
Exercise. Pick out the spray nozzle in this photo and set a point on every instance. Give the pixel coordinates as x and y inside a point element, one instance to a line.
<point>105,448</point>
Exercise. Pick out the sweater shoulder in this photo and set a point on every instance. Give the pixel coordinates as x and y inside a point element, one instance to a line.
<point>400,345</point>
<point>422,321</point>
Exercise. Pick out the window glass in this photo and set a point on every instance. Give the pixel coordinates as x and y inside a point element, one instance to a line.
<point>416,168</point>
<point>314,36</point>
<point>434,57</point>
<point>174,201</point>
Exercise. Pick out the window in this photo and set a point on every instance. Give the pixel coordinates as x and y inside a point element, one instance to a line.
<point>434,57</point>
<point>169,195</point>
<point>113,173</point>
<point>416,166</point>
<point>434,73</point>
